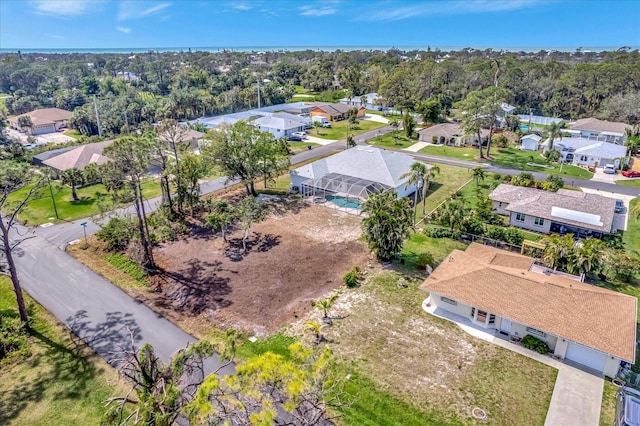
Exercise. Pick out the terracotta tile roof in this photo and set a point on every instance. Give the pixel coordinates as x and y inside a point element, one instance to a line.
<point>545,204</point>
<point>40,117</point>
<point>599,125</point>
<point>486,278</point>
<point>79,157</point>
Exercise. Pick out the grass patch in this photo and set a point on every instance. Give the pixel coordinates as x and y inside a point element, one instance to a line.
<point>439,248</point>
<point>74,134</point>
<point>634,183</point>
<point>631,236</point>
<point>96,258</point>
<point>443,185</point>
<point>608,407</point>
<point>40,210</point>
<point>277,343</point>
<point>298,147</point>
<point>130,268</point>
<point>388,141</point>
<point>338,129</point>
<point>278,187</point>
<point>61,383</point>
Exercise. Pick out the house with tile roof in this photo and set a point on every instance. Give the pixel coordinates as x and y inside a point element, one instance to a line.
<point>513,296</point>
<point>335,112</point>
<point>562,212</point>
<point>450,134</point>
<point>600,130</point>
<point>45,120</point>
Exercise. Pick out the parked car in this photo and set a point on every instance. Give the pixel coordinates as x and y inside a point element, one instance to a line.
<point>631,173</point>
<point>303,135</point>
<point>610,169</point>
<point>294,138</point>
<point>627,407</point>
<point>619,206</point>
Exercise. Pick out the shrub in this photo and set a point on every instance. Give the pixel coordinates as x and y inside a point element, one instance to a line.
<point>13,338</point>
<point>496,233</point>
<point>497,176</point>
<point>613,241</point>
<point>353,277</point>
<point>437,232</point>
<point>513,236</point>
<point>535,344</point>
<point>507,178</point>
<point>424,260</point>
<point>473,226</point>
<point>116,234</point>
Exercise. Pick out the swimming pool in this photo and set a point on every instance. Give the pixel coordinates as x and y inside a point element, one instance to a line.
<point>351,203</point>
<point>524,128</point>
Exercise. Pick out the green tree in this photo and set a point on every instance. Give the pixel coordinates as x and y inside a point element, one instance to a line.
<point>220,218</point>
<point>325,304</point>
<point>553,155</point>
<point>431,173</point>
<point>74,178</point>
<point>387,223</point>
<point>192,169</point>
<point>408,124</point>
<point>415,176</point>
<point>249,212</point>
<point>478,174</point>
<point>315,328</point>
<point>452,214</point>
<point>589,256</point>
<point>430,110</point>
<point>91,173</point>
<point>393,122</point>
<point>557,250</point>
<point>25,123</point>
<point>554,132</point>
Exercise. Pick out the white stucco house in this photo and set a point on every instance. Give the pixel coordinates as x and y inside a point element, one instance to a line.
<point>562,212</point>
<point>588,152</point>
<point>510,295</point>
<point>281,124</point>
<point>600,130</point>
<point>530,142</point>
<point>350,176</point>
<point>45,120</point>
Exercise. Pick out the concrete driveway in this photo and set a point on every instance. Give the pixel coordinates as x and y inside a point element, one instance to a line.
<point>40,139</point>
<point>601,176</point>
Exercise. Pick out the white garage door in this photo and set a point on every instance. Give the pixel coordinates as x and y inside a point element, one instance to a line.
<point>586,356</point>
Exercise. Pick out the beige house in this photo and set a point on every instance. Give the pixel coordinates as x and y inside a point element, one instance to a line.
<point>335,112</point>
<point>511,295</point>
<point>450,134</point>
<point>600,130</point>
<point>562,212</point>
<point>46,120</point>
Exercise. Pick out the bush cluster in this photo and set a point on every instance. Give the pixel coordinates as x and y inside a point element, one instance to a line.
<point>508,235</point>
<point>535,344</point>
<point>438,232</point>
<point>353,277</point>
<point>13,337</point>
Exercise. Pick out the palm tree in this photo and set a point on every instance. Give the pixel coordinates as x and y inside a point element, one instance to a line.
<point>478,175</point>
<point>589,256</point>
<point>555,132</point>
<point>426,182</point>
<point>415,177</point>
<point>325,304</point>
<point>315,328</point>
<point>557,249</point>
<point>393,122</point>
<point>452,213</point>
<point>72,177</point>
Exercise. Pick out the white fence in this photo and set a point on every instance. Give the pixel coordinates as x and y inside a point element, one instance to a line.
<point>539,119</point>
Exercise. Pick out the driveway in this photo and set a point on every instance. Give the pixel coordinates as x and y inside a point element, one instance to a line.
<point>601,176</point>
<point>577,394</point>
<point>375,117</point>
<point>40,139</point>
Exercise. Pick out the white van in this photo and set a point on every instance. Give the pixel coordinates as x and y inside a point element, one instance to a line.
<point>324,121</point>
<point>610,169</point>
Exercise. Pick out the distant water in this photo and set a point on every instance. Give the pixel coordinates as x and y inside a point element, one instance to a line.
<point>298,48</point>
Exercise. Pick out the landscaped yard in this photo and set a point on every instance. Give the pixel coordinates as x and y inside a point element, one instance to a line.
<point>512,158</point>
<point>297,147</point>
<point>443,185</point>
<point>631,236</point>
<point>338,129</point>
<point>41,210</point>
<point>634,183</point>
<point>74,134</point>
<point>60,383</point>
<point>388,141</point>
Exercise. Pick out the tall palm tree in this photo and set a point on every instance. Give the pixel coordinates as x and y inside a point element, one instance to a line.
<point>557,249</point>
<point>415,177</point>
<point>72,177</point>
<point>478,174</point>
<point>555,132</point>
<point>426,182</point>
<point>452,213</point>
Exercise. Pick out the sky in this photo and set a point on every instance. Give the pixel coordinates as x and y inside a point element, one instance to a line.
<point>515,24</point>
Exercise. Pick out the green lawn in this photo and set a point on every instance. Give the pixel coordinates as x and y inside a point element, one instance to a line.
<point>608,407</point>
<point>388,141</point>
<point>512,158</point>
<point>41,210</point>
<point>631,236</point>
<point>60,383</point>
<point>74,134</point>
<point>439,248</point>
<point>634,183</point>
<point>338,129</point>
<point>448,181</point>
<point>297,147</point>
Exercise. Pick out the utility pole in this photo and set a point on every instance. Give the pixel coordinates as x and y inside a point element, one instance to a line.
<point>53,199</point>
<point>95,107</point>
<point>258,93</point>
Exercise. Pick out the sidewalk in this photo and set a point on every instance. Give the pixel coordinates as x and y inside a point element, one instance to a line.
<point>417,146</point>
<point>577,394</point>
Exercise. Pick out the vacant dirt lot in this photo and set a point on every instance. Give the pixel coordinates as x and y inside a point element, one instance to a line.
<point>297,255</point>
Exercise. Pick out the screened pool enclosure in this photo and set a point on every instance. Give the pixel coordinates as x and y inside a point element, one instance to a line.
<point>340,191</point>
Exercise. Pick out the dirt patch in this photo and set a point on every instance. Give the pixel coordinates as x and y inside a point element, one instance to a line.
<point>297,255</point>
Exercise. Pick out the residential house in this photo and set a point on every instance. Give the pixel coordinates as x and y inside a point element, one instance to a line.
<point>511,295</point>
<point>450,134</point>
<point>562,212</point>
<point>530,142</point>
<point>354,173</point>
<point>600,130</point>
<point>281,124</point>
<point>185,136</point>
<point>78,157</point>
<point>335,112</point>
<point>46,120</point>
<point>372,101</point>
<point>588,152</point>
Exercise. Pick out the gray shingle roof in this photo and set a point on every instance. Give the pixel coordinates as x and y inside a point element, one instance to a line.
<point>374,164</point>
<point>592,148</point>
<point>596,125</point>
<point>79,157</point>
<point>591,211</point>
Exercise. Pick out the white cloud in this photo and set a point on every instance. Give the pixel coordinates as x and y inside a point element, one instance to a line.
<point>138,9</point>
<point>317,10</point>
<point>241,6</point>
<point>441,8</point>
<point>63,7</point>
<point>125,30</point>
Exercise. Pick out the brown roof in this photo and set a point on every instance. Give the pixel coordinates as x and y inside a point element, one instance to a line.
<point>590,211</point>
<point>500,282</point>
<point>80,157</point>
<point>41,117</point>
<point>448,130</point>
<point>186,135</point>
<point>334,109</point>
<point>599,125</point>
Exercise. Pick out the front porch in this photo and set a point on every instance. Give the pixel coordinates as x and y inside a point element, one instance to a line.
<point>578,232</point>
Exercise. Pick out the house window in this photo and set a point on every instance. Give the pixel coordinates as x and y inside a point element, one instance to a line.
<point>492,319</point>
<point>520,217</point>
<point>583,158</point>
<point>538,221</point>
<point>449,301</point>
<point>481,316</point>
<point>535,331</point>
